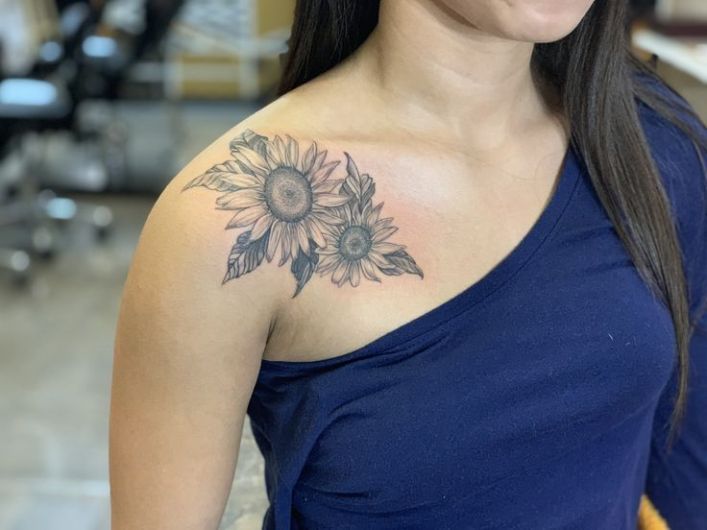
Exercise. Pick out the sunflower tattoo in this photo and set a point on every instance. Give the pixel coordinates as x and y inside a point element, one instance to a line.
<point>291,207</point>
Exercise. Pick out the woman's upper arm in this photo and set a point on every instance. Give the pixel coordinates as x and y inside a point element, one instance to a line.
<point>676,480</point>
<point>187,355</point>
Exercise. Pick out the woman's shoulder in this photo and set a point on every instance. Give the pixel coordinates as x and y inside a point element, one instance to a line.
<point>259,193</point>
<point>209,220</point>
<point>309,113</point>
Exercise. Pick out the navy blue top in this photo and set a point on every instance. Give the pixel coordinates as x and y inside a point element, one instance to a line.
<point>536,398</point>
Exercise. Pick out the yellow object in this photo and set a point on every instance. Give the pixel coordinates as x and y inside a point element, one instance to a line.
<point>230,61</point>
<point>223,76</point>
<point>648,516</point>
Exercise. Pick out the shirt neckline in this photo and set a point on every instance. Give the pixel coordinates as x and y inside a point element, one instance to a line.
<point>471,295</point>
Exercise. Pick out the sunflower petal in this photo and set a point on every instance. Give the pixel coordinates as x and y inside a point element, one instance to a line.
<point>329,250</point>
<point>292,151</point>
<point>381,223</point>
<point>243,180</point>
<point>384,233</point>
<point>225,177</point>
<point>327,260</point>
<point>326,218</point>
<point>244,198</point>
<point>330,199</point>
<point>347,275</point>
<point>316,234</point>
<point>224,200</point>
<point>275,235</point>
<point>323,272</point>
<point>250,161</point>
<point>377,259</point>
<point>374,215</point>
<point>272,159</point>
<point>327,230</point>
<point>280,151</point>
<point>325,269</point>
<point>302,238</point>
<point>308,159</point>
<point>319,160</point>
<point>294,241</point>
<point>355,276</point>
<point>261,226</point>
<point>386,248</point>
<point>285,242</point>
<point>331,240</point>
<point>354,216</point>
<point>340,272</point>
<point>246,217</point>
<point>368,270</point>
<point>322,173</point>
<point>327,186</point>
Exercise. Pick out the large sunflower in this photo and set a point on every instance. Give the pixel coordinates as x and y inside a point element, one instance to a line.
<point>283,195</point>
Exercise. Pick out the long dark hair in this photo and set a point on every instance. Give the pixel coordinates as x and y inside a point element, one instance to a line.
<point>595,74</point>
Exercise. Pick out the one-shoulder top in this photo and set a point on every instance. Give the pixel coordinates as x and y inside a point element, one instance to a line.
<point>537,398</point>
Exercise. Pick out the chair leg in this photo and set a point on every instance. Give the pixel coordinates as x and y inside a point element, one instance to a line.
<point>99,217</point>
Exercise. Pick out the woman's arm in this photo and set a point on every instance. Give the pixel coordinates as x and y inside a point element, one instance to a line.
<point>676,481</point>
<point>187,356</point>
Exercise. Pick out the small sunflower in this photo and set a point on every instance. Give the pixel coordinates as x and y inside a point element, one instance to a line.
<point>357,246</point>
<point>284,196</point>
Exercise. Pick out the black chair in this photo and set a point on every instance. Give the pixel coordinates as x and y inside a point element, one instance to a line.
<point>76,19</point>
<point>84,65</point>
<point>30,106</point>
<point>26,105</point>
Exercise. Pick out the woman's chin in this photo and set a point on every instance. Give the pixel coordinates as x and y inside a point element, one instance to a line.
<point>522,20</point>
<point>542,20</point>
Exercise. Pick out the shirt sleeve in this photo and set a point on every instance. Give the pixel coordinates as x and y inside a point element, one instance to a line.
<point>676,480</point>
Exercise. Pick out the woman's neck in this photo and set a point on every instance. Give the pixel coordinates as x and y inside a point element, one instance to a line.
<point>434,70</point>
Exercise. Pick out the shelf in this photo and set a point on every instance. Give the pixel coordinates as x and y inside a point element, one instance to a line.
<point>688,55</point>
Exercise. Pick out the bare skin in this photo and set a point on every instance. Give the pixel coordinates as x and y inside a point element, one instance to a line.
<point>464,149</point>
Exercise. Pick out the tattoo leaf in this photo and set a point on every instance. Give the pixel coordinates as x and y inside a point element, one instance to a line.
<point>221,177</point>
<point>401,262</point>
<point>245,255</point>
<point>303,266</point>
<point>357,185</point>
<point>251,140</point>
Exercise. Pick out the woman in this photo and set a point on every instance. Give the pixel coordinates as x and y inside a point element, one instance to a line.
<point>462,257</point>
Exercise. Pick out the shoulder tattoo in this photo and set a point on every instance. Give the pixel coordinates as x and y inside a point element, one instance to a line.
<point>293,208</point>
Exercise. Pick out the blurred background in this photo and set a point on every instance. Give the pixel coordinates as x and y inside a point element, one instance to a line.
<point>101,103</point>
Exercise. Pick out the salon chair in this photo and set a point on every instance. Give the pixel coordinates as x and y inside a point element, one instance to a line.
<point>76,18</point>
<point>30,106</point>
<point>88,64</point>
<point>26,107</point>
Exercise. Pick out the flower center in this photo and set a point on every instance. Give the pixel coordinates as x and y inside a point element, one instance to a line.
<point>355,242</point>
<point>288,194</point>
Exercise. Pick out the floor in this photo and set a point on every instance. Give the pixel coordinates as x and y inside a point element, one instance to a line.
<point>55,368</point>
<point>56,338</point>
